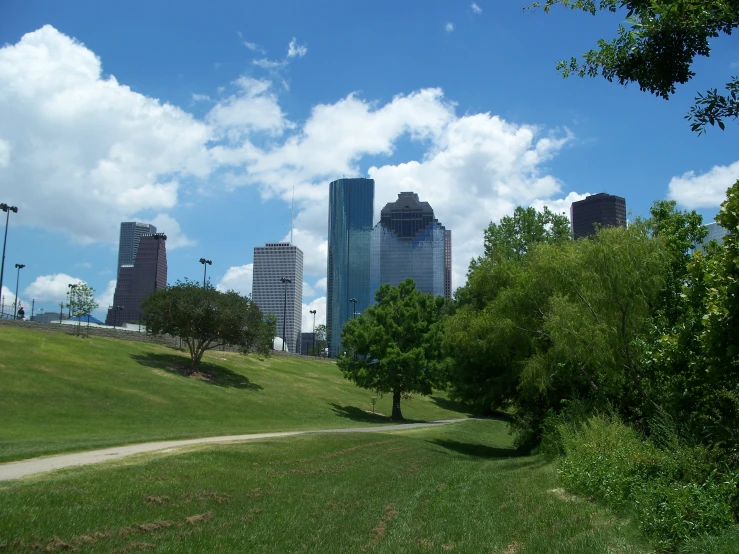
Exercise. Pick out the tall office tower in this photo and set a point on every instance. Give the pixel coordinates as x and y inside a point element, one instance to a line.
<point>138,280</point>
<point>131,233</point>
<point>448,263</point>
<point>350,206</point>
<point>409,242</point>
<point>272,263</point>
<point>600,209</point>
<point>715,232</point>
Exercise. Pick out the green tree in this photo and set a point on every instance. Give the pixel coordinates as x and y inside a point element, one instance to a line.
<point>514,235</point>
<point>320,339</point>
<point>81,301</point>
<point>657,48</point>
<point>393,347</point>
<point>205,318</point>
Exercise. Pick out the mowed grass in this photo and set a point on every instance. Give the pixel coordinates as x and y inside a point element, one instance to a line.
<point>457,488</point>
<point>62,393</point>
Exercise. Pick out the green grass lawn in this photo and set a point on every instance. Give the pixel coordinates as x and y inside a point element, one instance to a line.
<point>458,488</point>
<point>62,393</point>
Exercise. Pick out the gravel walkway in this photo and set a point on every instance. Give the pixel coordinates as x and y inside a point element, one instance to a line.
<point>23,468</point>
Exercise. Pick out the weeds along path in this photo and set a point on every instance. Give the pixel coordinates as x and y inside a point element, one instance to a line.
<point>23,468</point>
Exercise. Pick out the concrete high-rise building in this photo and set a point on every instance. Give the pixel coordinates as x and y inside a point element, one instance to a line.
<point>409,242</point>
<point>128,245</point>
<point>272,263</point>
<point>602,209</point>
<point>138,280</point>
<point>350,212</point>
<point>448,263</point>
<point>715,232</point>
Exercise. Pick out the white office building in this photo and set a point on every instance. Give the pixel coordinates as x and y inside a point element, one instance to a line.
<point>277,288</point>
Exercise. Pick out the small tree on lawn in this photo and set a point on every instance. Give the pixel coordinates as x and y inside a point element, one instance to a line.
<point>320,339</point>
<point>81,301</point>
<point>205,318</point>
<point>394,346</point>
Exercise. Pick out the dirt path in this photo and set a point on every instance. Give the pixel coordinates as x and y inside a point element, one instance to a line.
<point>23,468</point>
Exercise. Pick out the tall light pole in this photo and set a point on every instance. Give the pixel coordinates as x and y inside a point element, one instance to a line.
<point>285,281</point>
<point>7,209</point>
<point>314,332</point>
<point>205,263</point>
<point>354,301</point>
<point>18,278</point>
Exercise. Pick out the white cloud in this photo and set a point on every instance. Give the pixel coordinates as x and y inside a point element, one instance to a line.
<point>105,298</point>
<point>476,8</point>
<point>308,291</point>
<point>266,63</point>
<point>200,98</point>
<point>295,49</point>
<point>449,27</point>
<point>706,190</point>
<point>170,227</point>
<point>238,278</point>
<point>51,287</point>
<point>253,46</point>
<point>87,142</point>
<point>321,284</point>
<point>559,205</point>
<point>319,305</point>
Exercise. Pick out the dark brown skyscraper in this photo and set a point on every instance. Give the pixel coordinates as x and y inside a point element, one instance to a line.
<point>135,282</point>
<point>605,210</point>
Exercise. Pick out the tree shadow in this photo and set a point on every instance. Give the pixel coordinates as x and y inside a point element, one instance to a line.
<point>451,405</point>
<point>358,414</point>
<point>478,450</point>
<point>210,373</point>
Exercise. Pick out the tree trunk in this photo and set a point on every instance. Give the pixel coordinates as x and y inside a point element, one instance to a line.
<point>397,414</point>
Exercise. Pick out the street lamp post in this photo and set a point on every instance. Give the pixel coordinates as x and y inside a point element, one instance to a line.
<point>314,332</point>
<point>354,301</point>
<point>285,281</point>
<point>17,279</point>
<point>7,209</point>
<point>205,263</point>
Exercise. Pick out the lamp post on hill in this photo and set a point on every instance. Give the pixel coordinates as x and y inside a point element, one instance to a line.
<point>7,209</point>
<point>17,279</point>
<point>314,332</point>
<point>205,263</point>
<point>354,301</point>
<point>285,281</point>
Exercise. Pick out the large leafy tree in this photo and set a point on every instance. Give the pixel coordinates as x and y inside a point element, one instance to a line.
<point>81,301</point>
<point>394,346</point>
<point>516,234</point>
<point>656,48</point>
<point>205,318</point>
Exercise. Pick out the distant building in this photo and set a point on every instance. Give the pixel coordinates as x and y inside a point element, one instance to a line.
<point>602,209</point>
<point>128,244</point>
<point>350,212</point>
<point>138,280</point>
<point>715,232</point>
<point>409,242</point>
<point>273,262</point>
<point>306,343</point>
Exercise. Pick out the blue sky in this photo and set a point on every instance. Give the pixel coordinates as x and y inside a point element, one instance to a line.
<point>203,118</point>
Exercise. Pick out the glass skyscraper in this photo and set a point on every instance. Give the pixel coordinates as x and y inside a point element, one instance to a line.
<point>409,242</point>
<point>350,208</point>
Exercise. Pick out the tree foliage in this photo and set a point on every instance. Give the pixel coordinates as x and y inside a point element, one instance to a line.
<point>81,301</point>
<point>657,48</point>
<point>394,346</point>
<point>205,318</point>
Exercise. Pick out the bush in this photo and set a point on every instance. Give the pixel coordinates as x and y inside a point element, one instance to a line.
<point>676,493</point>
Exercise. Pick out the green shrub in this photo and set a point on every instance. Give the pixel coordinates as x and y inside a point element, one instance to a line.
<point>676,493</point>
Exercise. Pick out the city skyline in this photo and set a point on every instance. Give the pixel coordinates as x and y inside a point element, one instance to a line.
<point>208,139</point>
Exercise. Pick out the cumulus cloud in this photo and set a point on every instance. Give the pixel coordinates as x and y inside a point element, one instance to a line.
<point>705,190</point>
<point>170,227</point>
<point>294,49</point>
<point>238,278</point>
<point>449,27</point>
<point>475,8</point>
<point>308,291</point>
<point>559,205</point>
<point>105,298</point>
<point>319,305</point>
<point>321,284</point>
<point>83,140</point>
<point>51,287</point>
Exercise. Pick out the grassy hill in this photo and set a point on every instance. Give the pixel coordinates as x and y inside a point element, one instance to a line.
<point>60,393</point>
<point>459,488</point>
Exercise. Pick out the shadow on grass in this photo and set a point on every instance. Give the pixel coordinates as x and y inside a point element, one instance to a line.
<point>210,373</point>
<point>358,414</point>
<point>451,405</point>
<point>478,450</point>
